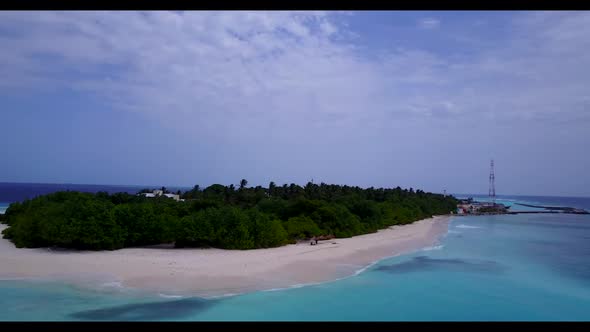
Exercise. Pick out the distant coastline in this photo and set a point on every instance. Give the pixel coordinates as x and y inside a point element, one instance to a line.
<point>216,272</point>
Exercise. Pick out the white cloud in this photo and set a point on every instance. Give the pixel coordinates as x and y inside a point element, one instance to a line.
<point>211,65</point>
<point>328,28</point>
<point>429,23</point>
<point>210,68</point>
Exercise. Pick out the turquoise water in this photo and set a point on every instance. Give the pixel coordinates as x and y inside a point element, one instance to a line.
<point>512,267</point>
<point>3,207</point>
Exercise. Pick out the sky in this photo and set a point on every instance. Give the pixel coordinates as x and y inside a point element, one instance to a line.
<point>415,99</point>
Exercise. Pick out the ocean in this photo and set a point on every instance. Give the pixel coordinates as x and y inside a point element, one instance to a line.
<point>485,268</point>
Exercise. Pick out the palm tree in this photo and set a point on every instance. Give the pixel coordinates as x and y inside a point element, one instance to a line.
<point>243,183</point>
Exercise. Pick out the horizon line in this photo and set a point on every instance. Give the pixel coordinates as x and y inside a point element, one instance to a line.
<point>191,186</point>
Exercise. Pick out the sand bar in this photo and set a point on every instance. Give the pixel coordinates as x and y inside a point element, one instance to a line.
<point>215,272</point>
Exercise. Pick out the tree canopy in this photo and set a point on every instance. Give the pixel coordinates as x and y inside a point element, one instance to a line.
<point>217,216</point>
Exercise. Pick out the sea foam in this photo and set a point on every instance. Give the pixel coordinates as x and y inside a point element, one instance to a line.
<point>439,247</point>
<point>466,226</point>
<point>166,296</point>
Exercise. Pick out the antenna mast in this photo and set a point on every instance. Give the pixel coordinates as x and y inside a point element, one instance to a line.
<point>492,190</point>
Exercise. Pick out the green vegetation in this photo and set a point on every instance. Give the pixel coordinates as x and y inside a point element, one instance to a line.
<point>217,216</point>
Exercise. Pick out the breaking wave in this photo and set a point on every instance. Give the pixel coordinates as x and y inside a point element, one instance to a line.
<point>466,226</point>
<point>439,247</point>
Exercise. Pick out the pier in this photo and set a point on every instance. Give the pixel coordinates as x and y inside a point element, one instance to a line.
<point>577,211</point>
<point>552,209</point>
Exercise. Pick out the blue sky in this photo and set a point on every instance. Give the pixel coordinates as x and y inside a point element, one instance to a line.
<point>416,99</point>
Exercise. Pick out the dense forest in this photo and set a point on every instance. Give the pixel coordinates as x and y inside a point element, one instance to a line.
<point>217,216</point>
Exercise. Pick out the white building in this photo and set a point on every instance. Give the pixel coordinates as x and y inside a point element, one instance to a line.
<point>176,197</point>
<point>158,193</point>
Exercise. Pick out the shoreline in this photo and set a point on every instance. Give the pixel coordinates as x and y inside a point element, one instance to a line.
<point>220,272</point>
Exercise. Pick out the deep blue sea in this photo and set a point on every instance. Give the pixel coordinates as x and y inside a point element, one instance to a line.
<point>510,267</point>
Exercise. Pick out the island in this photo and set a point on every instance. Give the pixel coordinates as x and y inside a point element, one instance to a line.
<point>219,239</point>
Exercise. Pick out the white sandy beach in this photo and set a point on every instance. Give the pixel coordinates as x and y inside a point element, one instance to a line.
<point>214,272</point>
